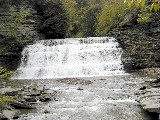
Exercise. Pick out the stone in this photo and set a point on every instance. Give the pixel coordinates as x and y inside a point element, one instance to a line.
<point>2,117</point>
<point>12,93</point>
<point>37,93</point>
<point>5,90</point>
<point>79,89</point>
<point>156,86</point>
<point>152,107</point>
<point>30,99</point>
<point>55,99</point>
<point>8,113</point>
<point>15,117</point>
<point>46,111</point>
<point>45,99</point>
<point>49,92</point>
<point>156,81</point>
<point>20,105</point>
<point>143,88</point>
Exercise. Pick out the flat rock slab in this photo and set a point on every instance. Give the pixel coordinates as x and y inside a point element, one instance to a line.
<point>75,81</point>
<point>19,105</point>
<point>8,113</point>
<point>150,99</point>
<point>153,107</point>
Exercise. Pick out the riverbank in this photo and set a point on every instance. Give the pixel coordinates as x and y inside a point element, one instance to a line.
<point>149,97</point>
<point>15,101</point>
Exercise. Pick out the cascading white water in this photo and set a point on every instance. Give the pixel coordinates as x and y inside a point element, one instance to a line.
<point>71,57</point>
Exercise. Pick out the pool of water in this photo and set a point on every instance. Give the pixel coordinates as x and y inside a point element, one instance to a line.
<point>106,98</point>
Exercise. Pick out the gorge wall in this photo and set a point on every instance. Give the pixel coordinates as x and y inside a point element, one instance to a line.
<point>17,28</point>
<point>140,42</point>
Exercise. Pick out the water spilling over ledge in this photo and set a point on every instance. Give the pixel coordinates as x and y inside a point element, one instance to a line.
<point>71,57</point>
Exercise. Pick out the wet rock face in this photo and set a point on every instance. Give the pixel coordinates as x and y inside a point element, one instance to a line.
<point>20,105</point>
<point>140,43</point>
<point>152,72</point>
<point>10,52</point>
<point>14,33</point>
<point>150,99</point>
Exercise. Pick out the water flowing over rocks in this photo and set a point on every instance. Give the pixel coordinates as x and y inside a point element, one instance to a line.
<point>106,98</point>
<point>71,57</point>
<point>87,76</point>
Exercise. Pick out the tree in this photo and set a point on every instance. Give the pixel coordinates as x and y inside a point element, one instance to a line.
<point>154,5</point>
<point>91,20</point>
<point>111,14</point>
<point>52,18</point>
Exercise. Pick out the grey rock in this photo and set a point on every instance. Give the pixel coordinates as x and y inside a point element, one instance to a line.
<point>4,90</point>
<point>45,99</point>
<point>12,93</point>
<point>150,100</point>
<point>156,81</point>
<point>79,89</point>
<point>8,113</point>
<point>37,93</point>
<point>143,88</point>
<point>20,105</point>
<point>152,107</point>
<point>46,111</point>
<point>16,117</point>
<point>2,117</point>
<point>30,99</point>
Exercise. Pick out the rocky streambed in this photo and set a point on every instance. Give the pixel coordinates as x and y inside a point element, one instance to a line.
<point>150,98</point>
<point>94,98</point>
<point>17,101</point>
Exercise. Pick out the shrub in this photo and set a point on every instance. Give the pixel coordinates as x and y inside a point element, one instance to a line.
<point>4,100</point>
<point>4,73</point>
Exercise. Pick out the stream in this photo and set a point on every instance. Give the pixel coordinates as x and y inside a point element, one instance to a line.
<point>88,76</point>
<point>106,98</point>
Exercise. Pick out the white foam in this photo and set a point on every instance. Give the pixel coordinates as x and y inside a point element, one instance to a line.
<point>73,57</point>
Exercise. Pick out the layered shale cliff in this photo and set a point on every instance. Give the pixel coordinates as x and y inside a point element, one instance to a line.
<point>17,28</point>
<point>140,42</point>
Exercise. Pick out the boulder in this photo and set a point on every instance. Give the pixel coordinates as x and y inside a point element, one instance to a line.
<point>156,81</point>
<point>12,93</point>
<point>150,99</point>
<point>143,88</point>
<point>45,99</point>
<point>8,113</point>
<point>2,117</point>
<point>154,107</point>
<point>31,99</point>
<point>20,105</point>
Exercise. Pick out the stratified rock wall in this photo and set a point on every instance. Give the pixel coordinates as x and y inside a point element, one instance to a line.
<point>17,28</point>
<point>140,43</point>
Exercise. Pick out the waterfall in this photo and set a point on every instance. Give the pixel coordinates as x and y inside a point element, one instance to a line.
<point>71,57</point>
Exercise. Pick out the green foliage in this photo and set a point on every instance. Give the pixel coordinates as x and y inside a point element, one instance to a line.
<point>4,100</point>
<point>144,18</point>
<point>93,17</point>
<point>154,5</point>
<point>91,20</point>
<point>73,18</point>
<point>4,73</point>
<point>52,18</point>
<point>76,11</point>
<point>14,23</point>
<point>111,14</point>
